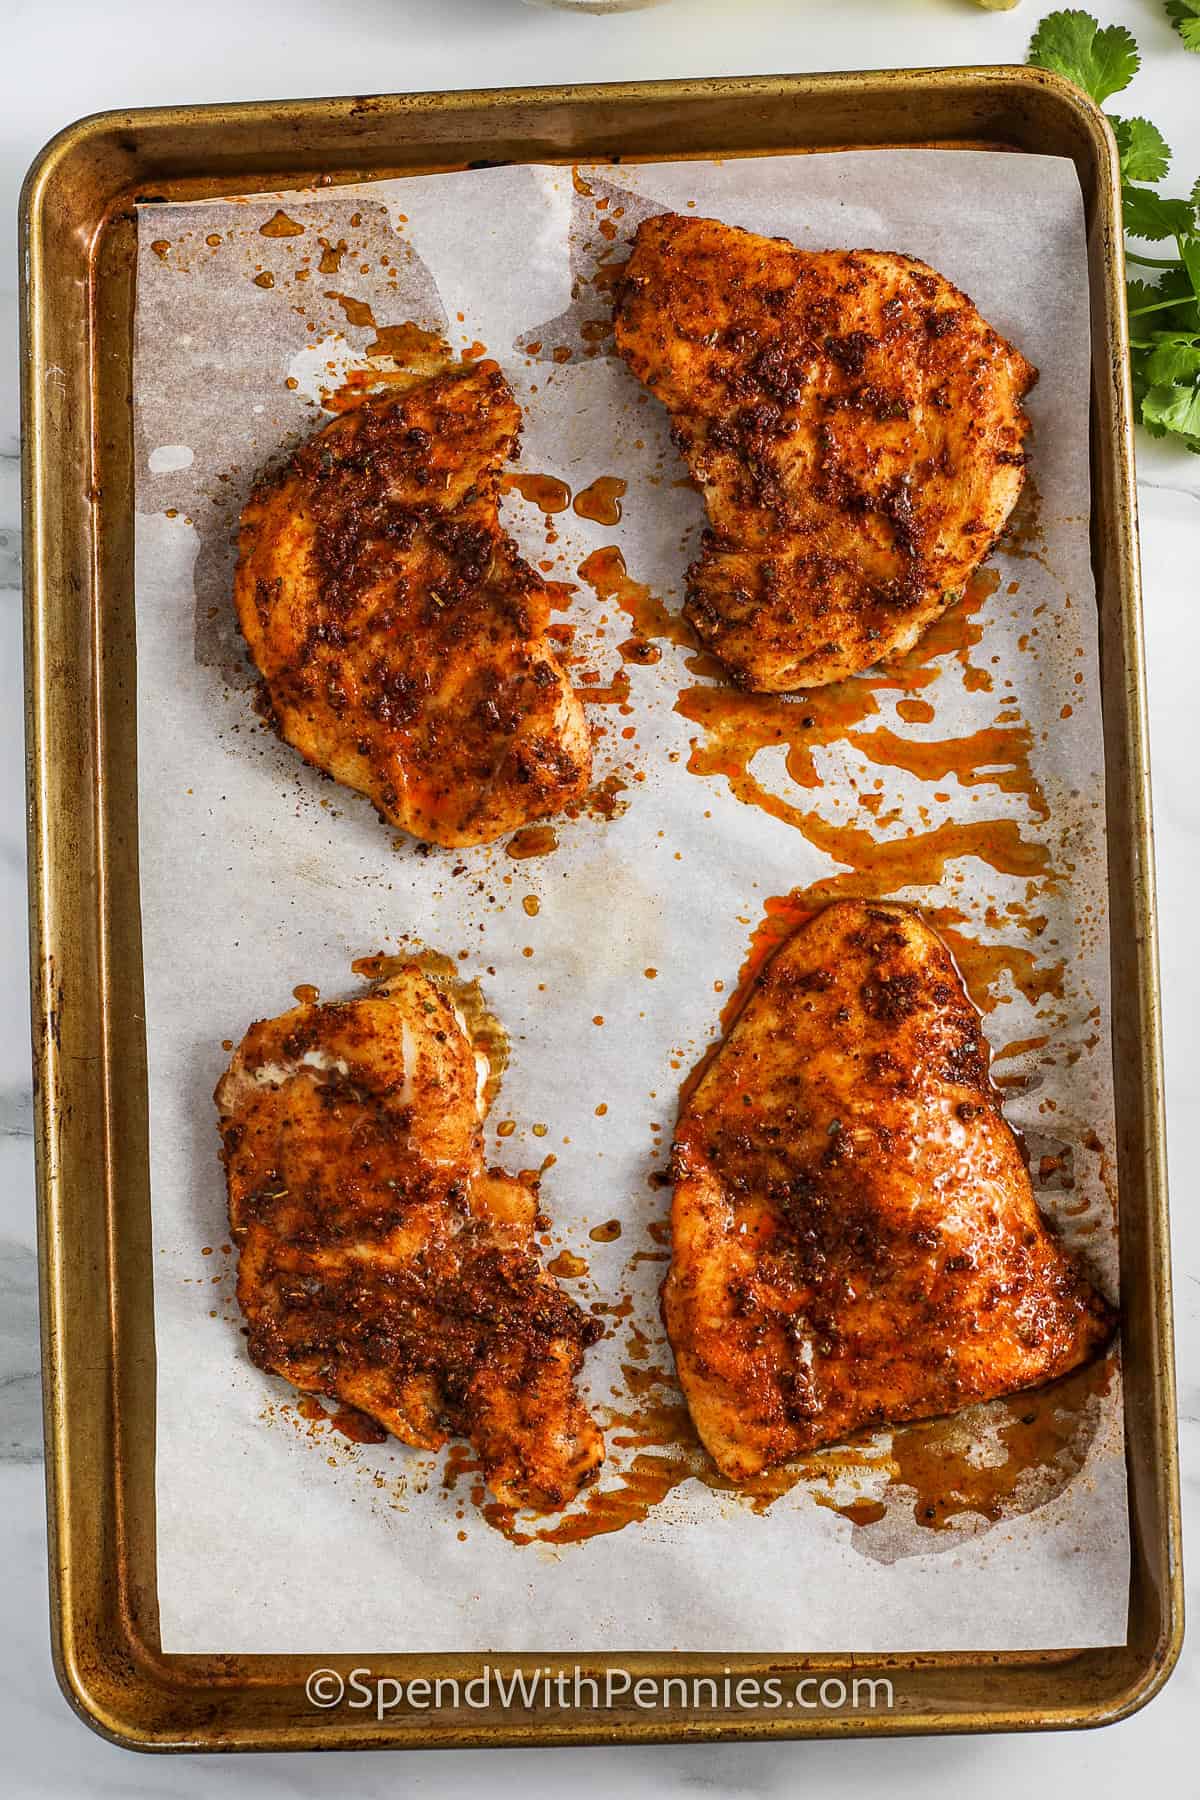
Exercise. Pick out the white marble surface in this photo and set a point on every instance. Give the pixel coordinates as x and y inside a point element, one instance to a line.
<point>75,57</point>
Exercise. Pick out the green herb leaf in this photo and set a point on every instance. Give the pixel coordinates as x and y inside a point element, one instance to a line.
<point>1145,155</point>
<point>1185,16</point>
<point>1184,314</point>
<point>1174,409</point>
<point>1100,61</point>
<point>1174,357</point>
<point>1164,315</point>
<point>1149,215</point>
<point>1189,251</point>
<point>1139,294</point>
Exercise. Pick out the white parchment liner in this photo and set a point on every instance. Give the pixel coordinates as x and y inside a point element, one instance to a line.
<point>275,1534</point>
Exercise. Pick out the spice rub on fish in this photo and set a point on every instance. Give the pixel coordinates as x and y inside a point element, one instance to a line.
<point>854,425</point>
<point>855,1238</point>
<point>400,637</point>
<point>381,1262</point>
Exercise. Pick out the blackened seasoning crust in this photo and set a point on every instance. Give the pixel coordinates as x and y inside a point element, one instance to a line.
<point>400,636</point>
<point>855,1240</point>
<point>856,428</point>
<point>381,1263</point>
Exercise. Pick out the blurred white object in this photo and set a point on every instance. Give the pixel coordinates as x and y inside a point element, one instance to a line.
<point>611,6</point>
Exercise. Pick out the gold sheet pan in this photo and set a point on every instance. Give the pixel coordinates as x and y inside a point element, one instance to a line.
<point>78,244</point>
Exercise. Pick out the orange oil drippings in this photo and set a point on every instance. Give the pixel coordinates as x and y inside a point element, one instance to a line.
<point>546,492</point>
<point>998,756</point>
<point>600,501</point>
<point>878,867</point>
<point>614,693</point>
<point>568,1266</point>
<point>639,650</point>
<point>410,343</point>
<point>421,355</point>
<point>280,226</point>
<point>1019,1047</point>
<point>331,256</point>
<point>983,965</point>
<point>1046,1434</point>
<point>1023,535</point>
<point>608,274</point>
<point>531,840</point>
<point>357,311</point>
<point>605,573</point>
<point>859,1512</point>
<point>955,634</point>
<point>737,727</point>
<point>915,712</point>
<point>603,801</point>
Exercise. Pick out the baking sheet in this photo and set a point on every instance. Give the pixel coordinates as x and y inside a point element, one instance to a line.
<point>257,875</point>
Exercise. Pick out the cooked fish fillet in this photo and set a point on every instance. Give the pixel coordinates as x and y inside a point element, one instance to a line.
<point>855,1237</point>
<point>400,637</point>
<point>856,429</point>
<point>380,1262</point>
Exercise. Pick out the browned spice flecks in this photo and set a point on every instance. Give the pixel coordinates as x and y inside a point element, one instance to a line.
<point>382,1263</point>
<point>855,427</point>
<point>401,638</point>
<point>855,1240</point>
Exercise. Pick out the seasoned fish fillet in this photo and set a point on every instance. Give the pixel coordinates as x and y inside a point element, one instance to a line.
<point>400,637</point>
<point>856,429</point>
<point>855,1238</point>
<point>380,1262</point>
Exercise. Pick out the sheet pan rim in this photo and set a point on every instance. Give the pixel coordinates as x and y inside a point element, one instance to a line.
<point>54,1203</point>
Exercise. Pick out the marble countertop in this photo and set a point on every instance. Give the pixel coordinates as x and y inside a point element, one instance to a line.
<point>76,58</point>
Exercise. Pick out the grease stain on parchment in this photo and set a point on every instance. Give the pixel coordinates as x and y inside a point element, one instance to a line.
<point>603,222</point>
<point>927,1486</point>
<point>209,294</point>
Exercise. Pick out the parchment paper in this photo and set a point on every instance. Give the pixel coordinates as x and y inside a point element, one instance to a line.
<point>275,1533</point>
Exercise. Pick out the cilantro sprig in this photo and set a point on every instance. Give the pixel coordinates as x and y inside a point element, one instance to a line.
<point>1164,313</point>
<point>1100,60</point>
<point>1185,16</point>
